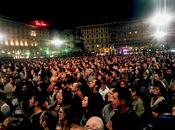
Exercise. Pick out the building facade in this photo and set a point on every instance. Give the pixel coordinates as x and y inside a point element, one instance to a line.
<point>19,40</point>
<point>115,37</point>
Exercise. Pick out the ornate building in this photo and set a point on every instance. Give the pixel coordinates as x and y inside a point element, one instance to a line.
<point>111,38</point>
<point>19,40</point>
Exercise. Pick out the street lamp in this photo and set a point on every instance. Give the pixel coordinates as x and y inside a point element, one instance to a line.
<point>160,22</point>
<point>57,42</point>
<point>161,19</point>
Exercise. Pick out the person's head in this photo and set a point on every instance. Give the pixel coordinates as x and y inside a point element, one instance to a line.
<point>74,87</point>
<point>63,96</point>
<point>47,120</point>
<point>79,75</point>
<point>111,95</point>
<point>76,127</point>
<point>121,97</point>
<point>83,90</point>
<point>93,83</point>
<point>173,111</point>
<point>134,92</point>
<point>12,123</point>
<point>85,102</point>
<point>157,75</point>
<point>122,75</point>
<point>65,114</point>
<point>115,73</point>
<point>122,83</point>
<point>37,100</point>
<point>158,88</point>
<point>94,123</point>
<point>88,72</point>
<point>59,96</point>
<point>169,72</point>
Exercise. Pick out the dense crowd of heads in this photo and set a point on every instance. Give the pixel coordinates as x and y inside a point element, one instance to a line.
<point>88,93</point>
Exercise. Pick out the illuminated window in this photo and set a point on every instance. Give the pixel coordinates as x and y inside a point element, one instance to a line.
<point>16,43</point>
<point>26,44</point>
<point>21,43</point>
<point>12,43</point>
<point>6,42</point>
<point>33,33</point>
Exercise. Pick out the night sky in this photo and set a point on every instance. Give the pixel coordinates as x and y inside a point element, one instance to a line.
<point>68,14</point>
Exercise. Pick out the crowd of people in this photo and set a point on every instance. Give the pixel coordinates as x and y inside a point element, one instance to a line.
<point>119,92</point>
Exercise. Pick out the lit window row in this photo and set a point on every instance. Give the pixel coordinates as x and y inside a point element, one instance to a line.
<point>21,43</point>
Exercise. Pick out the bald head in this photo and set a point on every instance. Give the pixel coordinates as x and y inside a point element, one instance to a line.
<point>95,123</point>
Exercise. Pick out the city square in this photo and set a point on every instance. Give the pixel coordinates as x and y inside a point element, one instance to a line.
<point>69,71</point>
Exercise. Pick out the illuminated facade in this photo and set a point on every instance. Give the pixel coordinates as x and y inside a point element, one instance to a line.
<point>19,40</point>
<point>108,38</point>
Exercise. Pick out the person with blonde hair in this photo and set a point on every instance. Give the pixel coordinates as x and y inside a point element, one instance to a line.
<point>94,122</point>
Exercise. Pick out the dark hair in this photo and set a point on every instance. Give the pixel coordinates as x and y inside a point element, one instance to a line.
<point>124,94</point>
<point>85,90</point>
<point>135,89</point>
<point>50,120</point>
<point>160,85</point>
<point>68,114</point>
<point>66,97</point>
<point>40,98</point>
<point>71,80</point>
<point>2,96</point>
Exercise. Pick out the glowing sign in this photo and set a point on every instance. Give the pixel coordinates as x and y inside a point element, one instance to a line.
<point>40,23</point>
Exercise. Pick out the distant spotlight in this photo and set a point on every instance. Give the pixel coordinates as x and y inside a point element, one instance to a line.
<point>161,19</point>
<point>160,34</point>
<point>57,42</point>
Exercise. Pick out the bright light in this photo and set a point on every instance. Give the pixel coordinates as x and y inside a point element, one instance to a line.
<point>47,51</point>
<point>160,23</point>
<point>57,42</point>
<point>66,50</point>
<point>160,34</point>
<point>2,36</point>
<point>161,19</point>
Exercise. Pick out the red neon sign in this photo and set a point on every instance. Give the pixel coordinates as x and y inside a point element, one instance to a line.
<point>40,23</point>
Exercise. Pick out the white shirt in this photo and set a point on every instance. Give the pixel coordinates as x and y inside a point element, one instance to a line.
<point>104,92</point>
